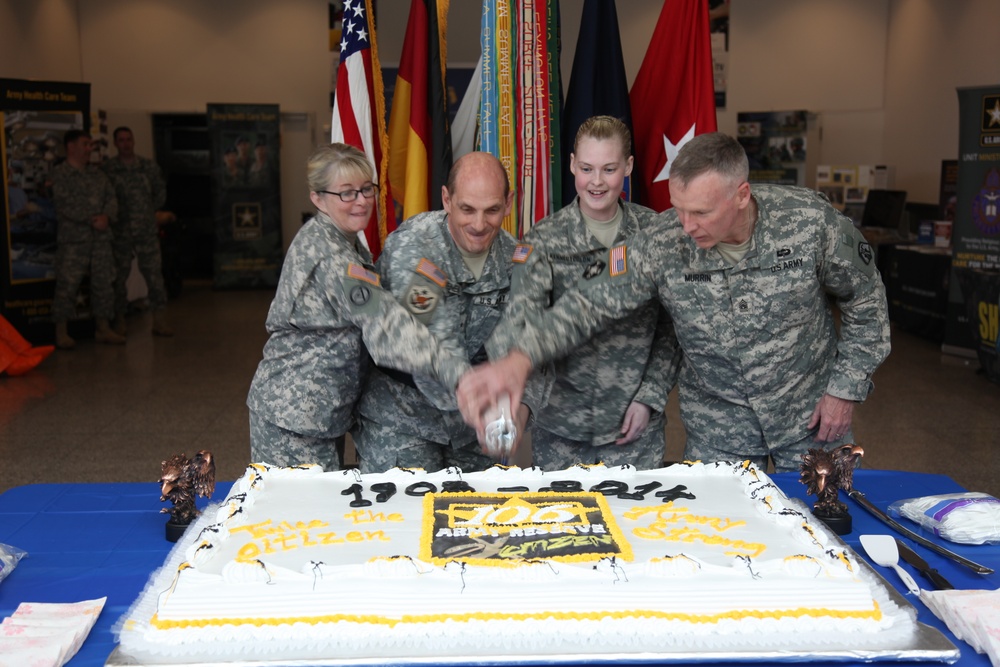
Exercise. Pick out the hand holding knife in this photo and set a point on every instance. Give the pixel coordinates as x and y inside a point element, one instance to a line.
<point>914,559</point>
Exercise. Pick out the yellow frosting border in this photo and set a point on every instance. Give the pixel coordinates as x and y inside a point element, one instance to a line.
<point>738,614</point>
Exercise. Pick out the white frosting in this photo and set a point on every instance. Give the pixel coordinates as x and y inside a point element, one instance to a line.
<point>287,562</point>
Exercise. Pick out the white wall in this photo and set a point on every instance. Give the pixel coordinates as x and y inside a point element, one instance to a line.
<point>880,73</point>
<point>934,47</point>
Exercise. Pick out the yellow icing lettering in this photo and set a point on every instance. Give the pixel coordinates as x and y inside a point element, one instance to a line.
<point>256,530</point>
<point>329,538</point>
<point>355,536</point>
<point>373,535</point>
<point>368,516</point>
<point>286,541</point>
<point>539,548</point>
<point>673,523</point>
<point>249,551</point>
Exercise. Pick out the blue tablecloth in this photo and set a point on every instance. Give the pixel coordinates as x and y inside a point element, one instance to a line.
<point>88,541</point>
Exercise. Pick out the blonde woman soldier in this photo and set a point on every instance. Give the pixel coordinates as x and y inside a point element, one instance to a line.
<point>330,307</point>
<point>607,401</point>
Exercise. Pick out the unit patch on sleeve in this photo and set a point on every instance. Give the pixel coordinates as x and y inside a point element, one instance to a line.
<point>521,253</point>
<point>359,272</point>
<point>429,270</point>
<point>619,264</point>
<point>865,252</point>
<point>420,299</point>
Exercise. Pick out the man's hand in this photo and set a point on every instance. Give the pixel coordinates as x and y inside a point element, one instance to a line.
<point>635,422</point>
<point>479,388</point>
<point>100,222</point>
<point>833,417</point>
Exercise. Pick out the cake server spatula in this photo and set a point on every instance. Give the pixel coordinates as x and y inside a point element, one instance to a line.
<point>882,549</point>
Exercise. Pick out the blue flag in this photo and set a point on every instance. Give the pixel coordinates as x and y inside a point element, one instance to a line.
<point>597,85</point>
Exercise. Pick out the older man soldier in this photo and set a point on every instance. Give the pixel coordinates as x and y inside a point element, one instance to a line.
<point>748,277</point>
<point>141,193</point>
<point>85,206</point>
<point>451,269</point>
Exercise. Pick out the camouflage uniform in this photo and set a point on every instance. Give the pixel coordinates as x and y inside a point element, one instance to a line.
<point>760,345</point>
<point>80,194</point>
<point>328,309</point>
<point>634,359</point>
<point>413,421</point>
<point>141,192</point>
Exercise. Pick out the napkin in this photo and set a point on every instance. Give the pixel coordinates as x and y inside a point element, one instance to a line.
<point>966,518</point>
<point>973,615</point>
<point>44,634</point>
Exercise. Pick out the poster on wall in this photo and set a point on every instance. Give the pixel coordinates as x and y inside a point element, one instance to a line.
<point>246,194</point>
<point>972,319</point>
<point>35,115</point>
<point>776,143</point>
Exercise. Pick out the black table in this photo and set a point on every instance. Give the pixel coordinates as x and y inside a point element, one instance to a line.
<point>88,541</point>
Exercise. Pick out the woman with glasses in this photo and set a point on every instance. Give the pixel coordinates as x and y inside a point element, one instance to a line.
<point>329,307</point>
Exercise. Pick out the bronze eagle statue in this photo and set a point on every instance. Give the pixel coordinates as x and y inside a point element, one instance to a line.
<point>181,479</point>
<point>826,472</point>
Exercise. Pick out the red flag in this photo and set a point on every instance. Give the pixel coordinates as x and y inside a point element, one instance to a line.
<point>673,96</point>
<point>359,110</point>
<point>420,146</point>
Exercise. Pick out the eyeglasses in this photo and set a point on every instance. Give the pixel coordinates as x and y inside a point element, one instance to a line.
<point>350,195</point>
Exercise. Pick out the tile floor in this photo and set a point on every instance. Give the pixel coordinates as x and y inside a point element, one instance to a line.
<point>104,413</point>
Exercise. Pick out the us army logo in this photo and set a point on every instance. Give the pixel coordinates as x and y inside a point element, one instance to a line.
<point>865,252</point>
<point>594,270</point>
<point>246,221</point>
<point>420,300</point>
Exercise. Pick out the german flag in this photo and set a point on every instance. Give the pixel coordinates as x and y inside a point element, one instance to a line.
<point>419,139</point>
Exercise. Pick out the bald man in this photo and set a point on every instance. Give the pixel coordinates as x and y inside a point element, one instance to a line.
<point>451,269</point>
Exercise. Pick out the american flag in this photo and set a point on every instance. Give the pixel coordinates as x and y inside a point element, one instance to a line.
<point>618,264</point>
<point>521,253</point>
<point>359,109</point>
<point>361,273</point>
<point>428,269</point>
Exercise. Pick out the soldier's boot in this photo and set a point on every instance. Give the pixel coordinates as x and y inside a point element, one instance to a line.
<point>104,334</point>
<point>118,326</point>
<point>63,341</point>
<point>160,325</point>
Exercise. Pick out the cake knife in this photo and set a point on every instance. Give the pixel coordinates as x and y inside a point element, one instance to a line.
<point>914,559</point>
<point>862,500</point>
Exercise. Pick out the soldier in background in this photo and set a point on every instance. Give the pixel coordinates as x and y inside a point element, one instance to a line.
<point>610,390</point>
<point>330,307</point>
<point>85,206</point>
<point>747,276</point>
<point>141,193</point>
<point>451,269</point>
<point>259,174</point>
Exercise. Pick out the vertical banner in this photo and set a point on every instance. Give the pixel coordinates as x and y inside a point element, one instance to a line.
<point>972,318</point>
<point>598,84</point>
<point>246,194</point>
<point>36,115</point>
